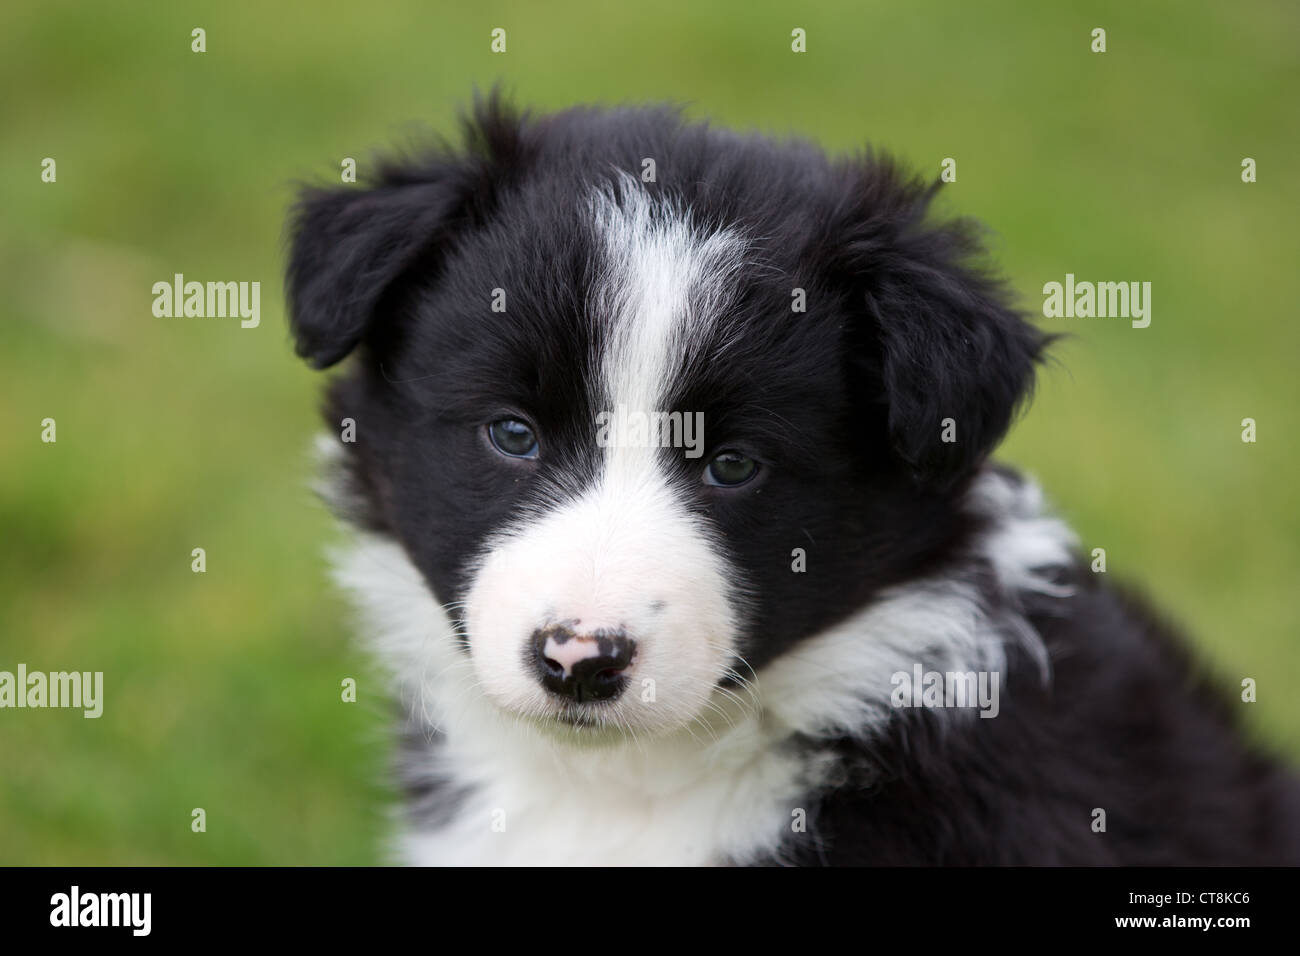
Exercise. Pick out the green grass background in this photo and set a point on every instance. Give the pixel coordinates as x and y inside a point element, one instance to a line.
<point>222,689</point>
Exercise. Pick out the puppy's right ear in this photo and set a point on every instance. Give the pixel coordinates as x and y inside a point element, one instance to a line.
<point>348,248</point>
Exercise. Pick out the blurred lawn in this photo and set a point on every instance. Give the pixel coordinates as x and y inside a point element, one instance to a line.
<point>222,689</point>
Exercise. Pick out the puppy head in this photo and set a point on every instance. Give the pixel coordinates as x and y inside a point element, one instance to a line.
<point>641,436</point>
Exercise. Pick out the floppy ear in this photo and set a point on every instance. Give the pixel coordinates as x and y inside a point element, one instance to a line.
<point>348,248</point>
<point>946,344</point>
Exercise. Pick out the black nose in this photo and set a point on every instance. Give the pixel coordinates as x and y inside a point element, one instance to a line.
<point>582,667</point>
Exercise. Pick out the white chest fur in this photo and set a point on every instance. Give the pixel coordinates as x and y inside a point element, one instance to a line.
<point>728,792</point>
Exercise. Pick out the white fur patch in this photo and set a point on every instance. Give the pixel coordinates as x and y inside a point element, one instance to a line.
<point>663,286</point>
<point>722,788</point>
<point>940,623</point>
<point>626,554</point>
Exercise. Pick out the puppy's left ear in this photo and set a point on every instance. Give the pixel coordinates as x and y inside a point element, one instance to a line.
<point>351,247</point>
<point>941,342</point>
<point>348,248</point>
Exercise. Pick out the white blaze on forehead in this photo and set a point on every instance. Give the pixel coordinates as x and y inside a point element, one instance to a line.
<point>662,287</point>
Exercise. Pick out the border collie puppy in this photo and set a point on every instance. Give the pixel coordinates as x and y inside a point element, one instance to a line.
<point>666,449</point>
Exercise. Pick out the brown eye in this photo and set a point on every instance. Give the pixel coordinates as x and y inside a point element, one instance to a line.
<point>729,469</point>
<point>513,438</point>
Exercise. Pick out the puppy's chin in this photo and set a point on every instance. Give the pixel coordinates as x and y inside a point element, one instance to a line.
<point>578,731</point>
<point>599,725</point>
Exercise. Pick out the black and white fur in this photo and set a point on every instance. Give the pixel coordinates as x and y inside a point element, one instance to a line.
<point>760,696</point>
